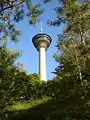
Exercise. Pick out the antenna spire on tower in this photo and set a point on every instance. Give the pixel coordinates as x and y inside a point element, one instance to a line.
<point>41,29</point>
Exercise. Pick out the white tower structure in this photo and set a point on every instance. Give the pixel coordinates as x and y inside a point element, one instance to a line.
<point>42,42</point>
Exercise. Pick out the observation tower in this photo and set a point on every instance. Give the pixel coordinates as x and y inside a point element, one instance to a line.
<point>41,42</point>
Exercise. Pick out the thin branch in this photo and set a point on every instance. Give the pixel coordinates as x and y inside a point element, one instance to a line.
<point>5,9</point>
<point>22,1</point>
<point>11,5</point>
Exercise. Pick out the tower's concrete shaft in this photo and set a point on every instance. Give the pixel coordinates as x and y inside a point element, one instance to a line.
<point>42,63</point>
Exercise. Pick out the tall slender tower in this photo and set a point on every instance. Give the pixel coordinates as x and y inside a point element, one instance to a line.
<point>42,42</point>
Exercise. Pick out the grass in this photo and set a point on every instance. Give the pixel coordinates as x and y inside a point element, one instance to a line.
<point>27,104</point>
<point>51,109</point>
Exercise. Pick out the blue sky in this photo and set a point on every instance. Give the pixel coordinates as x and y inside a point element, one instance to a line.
<point>29,54</point>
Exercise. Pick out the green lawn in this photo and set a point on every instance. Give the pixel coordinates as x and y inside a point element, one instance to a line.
<point>27,104</point>
<point>51,109</point>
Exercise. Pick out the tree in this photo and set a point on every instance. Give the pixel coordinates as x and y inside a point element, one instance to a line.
<point>15,84</point>
<point>74,56</point>
<point>7,75</point>
<point>73,45</point>
<point>12,11</point>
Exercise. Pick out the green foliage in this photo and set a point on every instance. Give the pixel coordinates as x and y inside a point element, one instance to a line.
<point>27,104</point>
<point>35,12</point>
<point>15,84</point>
<point>66,100</point>
<point>7,73</point>
<point>73,45</point>
<point>73,58</point>
<point>14,11</point>
<point>34,77</point>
